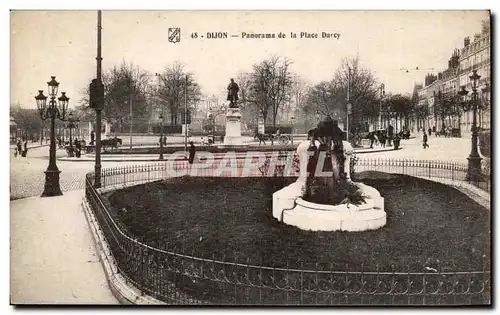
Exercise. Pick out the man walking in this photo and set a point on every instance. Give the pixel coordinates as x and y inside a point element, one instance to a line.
<point>192,152</point>
<point>424,142</point>
<point>19,147</point>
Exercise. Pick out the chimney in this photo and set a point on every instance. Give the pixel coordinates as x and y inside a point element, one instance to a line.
<point>429,78</point>
<point>466,41</point>
<point>449,64</point>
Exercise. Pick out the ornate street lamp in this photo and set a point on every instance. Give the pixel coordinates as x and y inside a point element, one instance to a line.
<point>52,111</point>
<point>161,136</point>
<point>474,165</point>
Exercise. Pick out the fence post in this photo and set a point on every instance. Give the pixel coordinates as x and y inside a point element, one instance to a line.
<point>429,164</point>
<point>301,282</point>
<point>425,291</point>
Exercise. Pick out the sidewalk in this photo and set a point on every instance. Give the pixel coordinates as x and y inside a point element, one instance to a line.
<point>52,255</point>
<point>217,156</point>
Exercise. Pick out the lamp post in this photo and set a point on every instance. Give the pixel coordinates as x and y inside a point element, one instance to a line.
<point>185,113</point>
<point>71,125</point>
<point>474,165</point>
<point>382,94</point>
<point>52,111</point>
<point>161,136</point>
<point>211,121</point>
<point>292,118</point>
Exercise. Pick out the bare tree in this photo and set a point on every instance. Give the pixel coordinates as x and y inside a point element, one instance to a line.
<point>300,90</point>
<point>402,106</point>
<point>244,81</point>
<point>324,98</point>
<point>125,84</point>
<point>175,84</point>
<point>362,87</point>
<point>271,84</point>
<point>122,84</point>
<point>27,120</point>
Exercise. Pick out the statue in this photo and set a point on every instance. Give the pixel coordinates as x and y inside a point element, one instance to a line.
<point>232,94</point>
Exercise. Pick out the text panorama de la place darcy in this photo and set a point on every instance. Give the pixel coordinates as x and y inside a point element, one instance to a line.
<point>248,35</point>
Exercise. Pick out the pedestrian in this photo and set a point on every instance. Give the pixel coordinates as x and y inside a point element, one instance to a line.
<point>165,140</point>
<point>390,134</point>
<point>160,141</point>
<point>430,131</point>
<point>424,142</point>
<point>192,152</point>
<point>92,137</point>
<point>19,147</point>
<point>371,136</point>
<point>397,141</point>
<point>25,151</point>
<point>78,147</point>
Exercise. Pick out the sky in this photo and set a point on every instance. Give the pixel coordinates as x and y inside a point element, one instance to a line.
<point>63,43</point>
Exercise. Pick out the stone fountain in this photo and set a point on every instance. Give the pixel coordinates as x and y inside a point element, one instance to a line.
<point>324,198</point>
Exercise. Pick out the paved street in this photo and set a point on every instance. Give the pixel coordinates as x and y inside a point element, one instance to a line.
<point>440,148</point>
<point>27,177</point>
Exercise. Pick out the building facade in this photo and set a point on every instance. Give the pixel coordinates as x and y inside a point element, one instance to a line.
<point>475,55</point>
<point>427,102</point>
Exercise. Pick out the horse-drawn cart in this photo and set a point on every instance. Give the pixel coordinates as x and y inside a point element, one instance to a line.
<point>282,139</point>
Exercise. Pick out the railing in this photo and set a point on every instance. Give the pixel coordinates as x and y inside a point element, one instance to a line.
<point>175,277</point>
<point>454,171</point>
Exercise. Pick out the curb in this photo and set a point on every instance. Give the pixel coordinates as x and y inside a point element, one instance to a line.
<point>35,146</point>
<point>123,291</point>
<point>66,159</point>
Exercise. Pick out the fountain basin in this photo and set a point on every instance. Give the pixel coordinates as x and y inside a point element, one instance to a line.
<point>291,209</point>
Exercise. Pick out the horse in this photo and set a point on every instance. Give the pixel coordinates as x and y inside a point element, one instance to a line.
<point>263,137</point>
<point>112,143</point>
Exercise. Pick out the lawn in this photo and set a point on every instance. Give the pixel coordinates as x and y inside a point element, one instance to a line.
<point>428,225</point>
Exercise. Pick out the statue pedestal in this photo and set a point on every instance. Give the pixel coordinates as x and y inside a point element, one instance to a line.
<point>233,136</point>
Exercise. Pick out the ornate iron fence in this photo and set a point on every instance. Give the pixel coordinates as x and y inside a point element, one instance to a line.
<point>454,171</point>
<point>176,278</point>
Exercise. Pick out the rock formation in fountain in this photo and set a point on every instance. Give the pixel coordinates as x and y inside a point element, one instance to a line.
<point>326,180</point>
